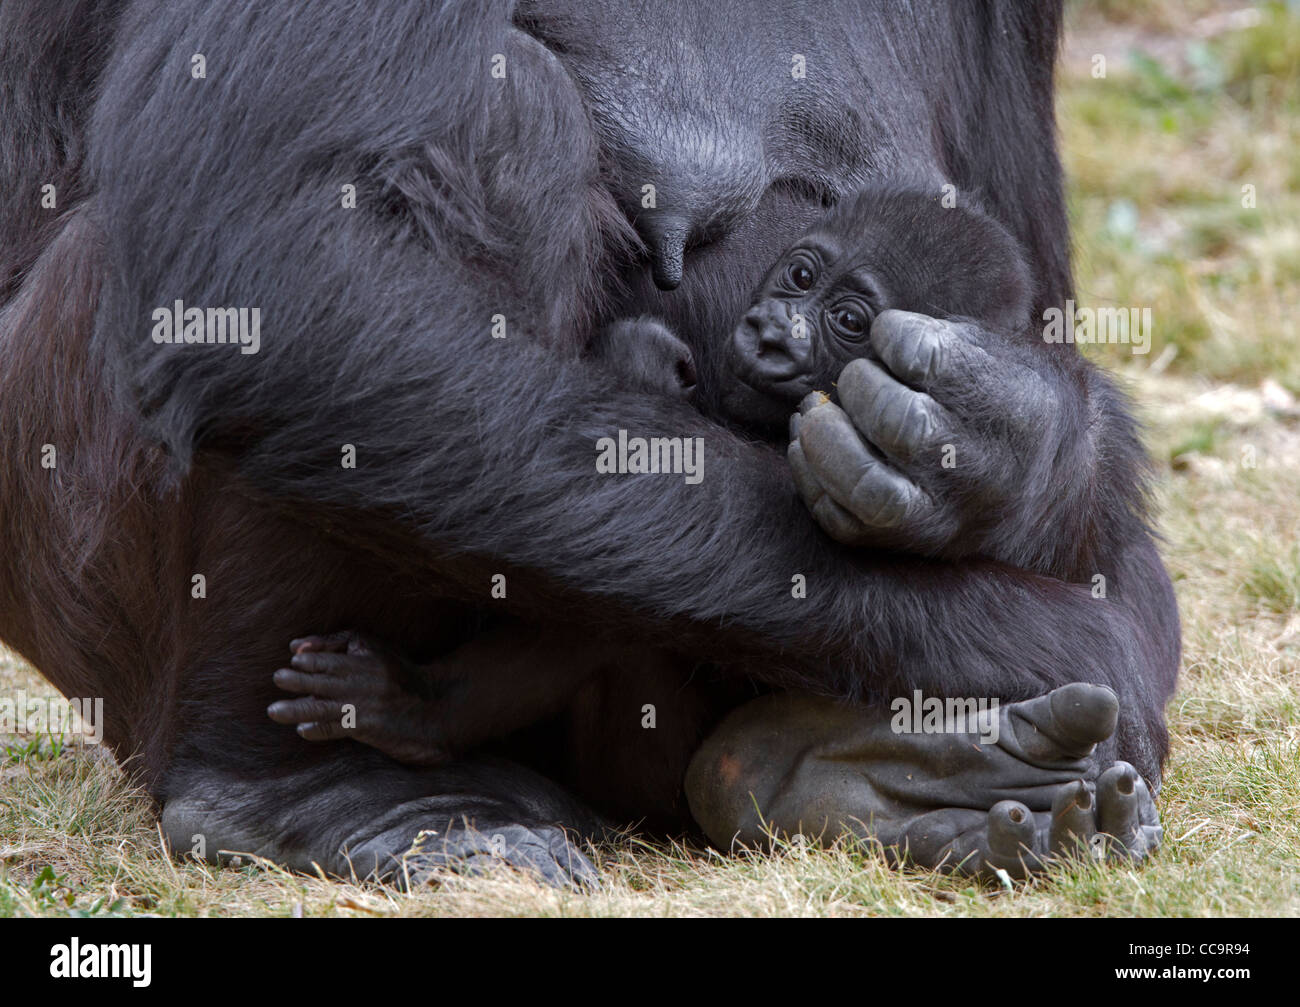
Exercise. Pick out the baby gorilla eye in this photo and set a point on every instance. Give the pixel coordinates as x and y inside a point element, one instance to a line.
<point>800,275</point>
<point>849,319</point>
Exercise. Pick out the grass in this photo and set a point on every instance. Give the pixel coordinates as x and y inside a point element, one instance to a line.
<point>1162,152</point>
<point>1157,153</point>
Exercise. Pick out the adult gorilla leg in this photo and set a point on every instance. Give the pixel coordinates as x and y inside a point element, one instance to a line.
<point>971,802</point>
<point>99,591</point>
<point>242,783</point>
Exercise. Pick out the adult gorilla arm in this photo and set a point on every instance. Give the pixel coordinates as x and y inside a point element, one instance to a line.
<point>981,443</point>
<point>480,453</point>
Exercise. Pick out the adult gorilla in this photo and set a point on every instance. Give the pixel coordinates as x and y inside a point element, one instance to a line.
<point>497,156</point>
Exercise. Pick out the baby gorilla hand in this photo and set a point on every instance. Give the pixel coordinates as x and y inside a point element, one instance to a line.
<point>647,356</point>
<point>349,688</point>
<point>943,442</point>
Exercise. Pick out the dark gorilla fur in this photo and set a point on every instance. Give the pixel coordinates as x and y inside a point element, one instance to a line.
<point>480,196</point>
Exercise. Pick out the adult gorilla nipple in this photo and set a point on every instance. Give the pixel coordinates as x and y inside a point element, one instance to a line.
<point>665,237</point>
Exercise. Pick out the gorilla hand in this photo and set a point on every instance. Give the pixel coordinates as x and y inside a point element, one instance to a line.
<point>787,765</point>
<point>943,442</point>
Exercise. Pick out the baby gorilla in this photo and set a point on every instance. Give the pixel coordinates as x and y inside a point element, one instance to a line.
<point>881,249</point>
<point>885,247</point>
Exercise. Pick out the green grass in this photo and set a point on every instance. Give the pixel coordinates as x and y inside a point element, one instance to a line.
<point>1157,153</point>
<point>1274,579</point>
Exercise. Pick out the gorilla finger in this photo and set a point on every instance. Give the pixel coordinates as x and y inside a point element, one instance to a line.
<point>838,523</point>
<point>291,680</point>
<point>336,642</point>
<point>1149,833</point>
<point>948,839</point>
<point>827,446</point>
<point>918,350</point>
<point>1007,837</point>
<point>1151,837</point>
<point>324,730</point>
<point>299,711</point>
<point>858,481</point>
<point>1064,724</point>
<point>884,498</point>
<point>549,856</point>
<point>899,421</point>
<point>808,485</point>
<point>326,664</point>
<point>1073,821</point>
<point>1011,833</point>
<point>574,863</point>
<point>541,864</point>
<point>811,401</point>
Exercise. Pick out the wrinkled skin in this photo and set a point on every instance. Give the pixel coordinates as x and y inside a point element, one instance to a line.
<point>831,769</point>
<point>914,398</point>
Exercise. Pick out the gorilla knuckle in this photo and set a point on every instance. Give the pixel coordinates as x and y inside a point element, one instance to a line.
<point>880,501</point>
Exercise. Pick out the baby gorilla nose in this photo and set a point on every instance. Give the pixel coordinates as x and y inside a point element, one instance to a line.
<point>771,338</point>
<point>770,344</point>
<point>771,361</point>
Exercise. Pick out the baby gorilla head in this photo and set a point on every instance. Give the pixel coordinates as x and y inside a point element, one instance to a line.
<point>885,247</point>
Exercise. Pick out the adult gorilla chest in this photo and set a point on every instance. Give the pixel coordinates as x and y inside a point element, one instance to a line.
<point>727,127</point>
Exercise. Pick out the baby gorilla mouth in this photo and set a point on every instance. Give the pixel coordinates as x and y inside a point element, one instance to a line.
<point>768,378</point>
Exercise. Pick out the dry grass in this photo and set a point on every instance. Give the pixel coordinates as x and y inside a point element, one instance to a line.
<point>1158,152</point>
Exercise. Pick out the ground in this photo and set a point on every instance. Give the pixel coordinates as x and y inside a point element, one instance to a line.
<point>1198,100</point>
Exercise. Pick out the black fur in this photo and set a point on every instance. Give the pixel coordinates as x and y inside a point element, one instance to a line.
<point>477,197</point>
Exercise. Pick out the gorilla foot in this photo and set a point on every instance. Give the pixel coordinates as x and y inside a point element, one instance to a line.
<point>356,814</point>
<point>1086,820</point>
<point>973,803</point>
<point>543,852</point>
<point>347,686</point>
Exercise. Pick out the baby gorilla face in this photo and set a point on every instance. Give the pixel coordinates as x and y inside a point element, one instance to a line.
<point>887,246</point>
<point>810,317</point>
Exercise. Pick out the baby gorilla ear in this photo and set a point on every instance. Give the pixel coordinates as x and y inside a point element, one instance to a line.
<point>647,356</point>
